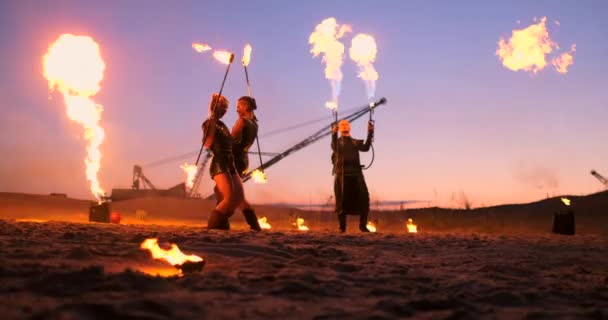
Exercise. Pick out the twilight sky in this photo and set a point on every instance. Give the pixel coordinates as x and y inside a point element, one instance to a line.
<point>456,119</point>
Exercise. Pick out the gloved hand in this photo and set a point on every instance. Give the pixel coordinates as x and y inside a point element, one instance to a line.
<point>370,126</point>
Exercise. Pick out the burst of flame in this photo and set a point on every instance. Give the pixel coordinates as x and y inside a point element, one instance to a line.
<point>566,201</point>
<point>201,47</point>
<point>526,49</point>
<point>565,60</point>
<point>74,67</point>
<point>411,227</point>
<point>371,226</point>
<point>263,221</point>
<point>190,170</point>
<point>173,256</point>
<point>258,176</point>
<point>363,52</point>
<point>224,57</point>
<point>325,40</point>
<point>300,224</point>
<point>247,54</point>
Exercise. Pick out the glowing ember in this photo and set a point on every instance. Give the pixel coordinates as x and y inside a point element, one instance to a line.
<point>566,201</point>
<point>363,51</point>
<point>247,54</point>
<point>371,226</point>
<point>258,176</point>
<point>190,170</point>
<point>527,50</point>
<point>324,41</point>
<point>224,57</point>
<point>74,67</point>
<point>263,221</point>
<point>565,60</point>
<point>300,224</point>
<point>173,256</point>
<point>411,227</point>
<point>201,47</point>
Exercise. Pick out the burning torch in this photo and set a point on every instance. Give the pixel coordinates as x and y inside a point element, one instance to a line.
<point>246,59</point>
<point>226,58</point>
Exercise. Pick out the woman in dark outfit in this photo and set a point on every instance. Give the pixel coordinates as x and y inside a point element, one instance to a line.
<point>350,189</point>
<point>244,133</point>
<point>217,139</point>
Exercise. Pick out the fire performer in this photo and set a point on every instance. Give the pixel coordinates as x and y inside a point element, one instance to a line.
<point>350,189</point>
<point>244,132</point>
<point>217,139</point>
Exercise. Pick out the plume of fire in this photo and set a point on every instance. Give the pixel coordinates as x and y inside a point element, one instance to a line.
<point>74,67</point>
<point>190,170</point>
<point>247,54</point>
<point>258,176</point>
<point>300,224</point>
<point>566,201</point>
<point>200,47</point>
<point>565,60</point>
<point>224,57</point>
<point>363,51</point>
<point>173,256</point>
<point>411,227</point>
<point>324,40</point>
<point>371,226</point>
<point>263,221</point>
<point>527,50</point>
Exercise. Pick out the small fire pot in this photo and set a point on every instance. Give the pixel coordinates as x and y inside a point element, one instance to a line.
<point>99,212</point>
<point>563,222</point>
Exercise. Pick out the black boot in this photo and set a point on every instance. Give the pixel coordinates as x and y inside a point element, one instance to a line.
<point>218,220</point>
<point>342,221</point>
<point>252,219</point>
<point>363,222</point>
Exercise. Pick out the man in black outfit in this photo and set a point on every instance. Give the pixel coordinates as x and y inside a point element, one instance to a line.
<point>350,188</point>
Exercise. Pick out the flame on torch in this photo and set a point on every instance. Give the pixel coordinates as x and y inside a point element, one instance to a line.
<point>74,67</point>
<point>411,227</point>
<point>247,54</point>
<point>566,201</point>
<point>300,224</point>
<point>258,176</point>
<point>363,52</point>
<point>224,57</point>
<point>371,226</point>
<point>324,41</point>
<point>173,256</point>
<point>263,221</point>
<point>200,47</point>
<point>190,170</point>
<point>527,50</point>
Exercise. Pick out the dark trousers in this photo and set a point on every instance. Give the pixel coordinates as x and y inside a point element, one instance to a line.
<point>352,198</point>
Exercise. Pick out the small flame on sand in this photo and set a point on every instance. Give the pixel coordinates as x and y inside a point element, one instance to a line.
<point>324,40</point>
<point>371,226</point>
<point>258,176</point>
<point>527,50</point>
<point>190,170</point>
<point>173,256</point>
<point>411,227</point>
<point>74,67</point>
<point>566,201</point>
<point>247,54</point>
<point>224,57</point>
<point>263,221</point>
<point>300,224</point>
<point>363,52</point>
<point>201,47</point>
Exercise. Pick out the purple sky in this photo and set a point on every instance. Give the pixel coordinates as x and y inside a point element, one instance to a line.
<point>456,121</point>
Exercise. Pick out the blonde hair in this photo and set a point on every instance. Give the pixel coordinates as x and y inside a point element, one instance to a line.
<point>217,101</point>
